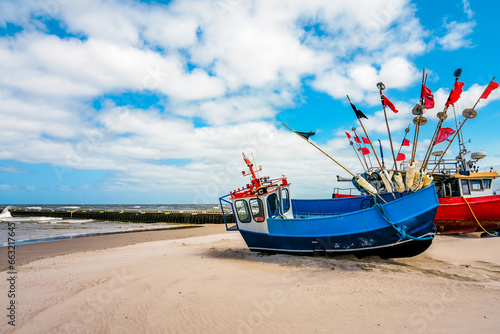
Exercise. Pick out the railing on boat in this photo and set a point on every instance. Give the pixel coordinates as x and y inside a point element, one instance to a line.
<point>446,166</point>
<point>345,191</point>
<point>222,201</point>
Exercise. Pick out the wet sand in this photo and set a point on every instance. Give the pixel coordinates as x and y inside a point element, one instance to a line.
<point>30,252</point>
<point>204,280</point>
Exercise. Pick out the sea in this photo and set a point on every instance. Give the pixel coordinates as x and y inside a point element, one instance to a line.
<point>40,229</point>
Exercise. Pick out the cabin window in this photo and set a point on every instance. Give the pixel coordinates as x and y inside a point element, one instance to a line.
<point>257,209</point>
<point>273,205</point>
<point>465,187</point>
<point>285,197</point>
<point>487,183</point>
<point>242,211</point>
<point>476,185</point>
<point>454,188</point>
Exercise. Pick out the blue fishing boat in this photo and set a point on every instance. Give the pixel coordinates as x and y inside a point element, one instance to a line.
<point>270,221</point>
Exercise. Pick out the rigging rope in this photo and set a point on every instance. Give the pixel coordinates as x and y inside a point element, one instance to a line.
<point>402,234</point>
<point>477,221</point>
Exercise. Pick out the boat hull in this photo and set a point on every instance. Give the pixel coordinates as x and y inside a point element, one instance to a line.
<point>341,226</point>
<point>361,244</point>
<point>454,216</point>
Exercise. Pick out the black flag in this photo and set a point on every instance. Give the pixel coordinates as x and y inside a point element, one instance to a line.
<point>359,113</point>
<point>306,135</point>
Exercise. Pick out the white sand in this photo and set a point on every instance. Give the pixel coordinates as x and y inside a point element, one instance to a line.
<point>213,284</point>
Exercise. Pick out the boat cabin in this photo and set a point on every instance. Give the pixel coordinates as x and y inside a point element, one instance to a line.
<point>471,185</point>
<point>259,200</point>
<point>252,209</point>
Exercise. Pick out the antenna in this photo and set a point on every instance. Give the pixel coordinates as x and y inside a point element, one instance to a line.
<point>260,167</point>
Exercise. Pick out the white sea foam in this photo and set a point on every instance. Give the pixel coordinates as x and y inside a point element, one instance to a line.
<point>39,220</point>
<point>6,213</point>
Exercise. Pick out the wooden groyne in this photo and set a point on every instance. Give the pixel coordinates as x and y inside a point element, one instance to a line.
<point>182,217</point>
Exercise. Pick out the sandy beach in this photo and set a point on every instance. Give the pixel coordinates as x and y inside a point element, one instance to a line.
<point>204,280</point>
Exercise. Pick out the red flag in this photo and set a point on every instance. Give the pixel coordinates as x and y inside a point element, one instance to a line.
<point>348,135</point>
<point>365,150</point>
<point>455,93</point>
<point>406,142</point>
<point>428,97</point>
<point>365,140</point>
<point>387,103</point>
<point>492,86</point>
<point>400,157</point>
<point>356,138</point>
<point>443,135</point>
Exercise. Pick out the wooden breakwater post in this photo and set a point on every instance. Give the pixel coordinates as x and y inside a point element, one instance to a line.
<point>179,217</point>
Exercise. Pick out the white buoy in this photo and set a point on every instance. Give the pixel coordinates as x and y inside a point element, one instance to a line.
<point>410,174</point>
<point>398,182</point>
<point>362,182</point>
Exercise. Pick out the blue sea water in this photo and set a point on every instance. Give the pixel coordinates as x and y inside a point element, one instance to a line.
<point>36,229</point>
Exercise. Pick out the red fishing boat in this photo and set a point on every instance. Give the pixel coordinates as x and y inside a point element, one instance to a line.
<point>467,201</point>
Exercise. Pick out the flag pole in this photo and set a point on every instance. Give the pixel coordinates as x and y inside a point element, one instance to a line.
<point>468,113</point>
<point>381,152</point>
<point>354,176</point>
<point>416,120</point>
<point>451,141</point>
<point>367,137</point>
<point>407,130</point>
<point>359,149</point>
<point>442,116</point>
<point>373,149</point>
<point>357,155</point>
<point>483,92</point>
<point>298,134</point>
<point>381,87</point>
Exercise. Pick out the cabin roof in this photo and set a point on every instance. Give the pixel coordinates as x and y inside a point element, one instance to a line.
<point>483,175</point>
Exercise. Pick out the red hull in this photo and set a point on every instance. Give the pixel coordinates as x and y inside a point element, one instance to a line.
<point>454,216</point>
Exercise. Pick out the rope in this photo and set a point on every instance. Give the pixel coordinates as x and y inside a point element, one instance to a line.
<point>402,234</point>
<point>477,221</point>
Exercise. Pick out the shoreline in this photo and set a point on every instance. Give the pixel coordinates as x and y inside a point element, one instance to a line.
<point>92,234</point>
<point>26,253</point>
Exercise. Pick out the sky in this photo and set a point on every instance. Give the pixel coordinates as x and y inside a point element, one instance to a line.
<point>121,101</point>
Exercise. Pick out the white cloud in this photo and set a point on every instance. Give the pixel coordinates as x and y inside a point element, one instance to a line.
<point>260,45</point>
<point>467,9</point>
<point>398,72</point>
<point>456,35</point>
<point>12,169</point>
<point>53,66</point>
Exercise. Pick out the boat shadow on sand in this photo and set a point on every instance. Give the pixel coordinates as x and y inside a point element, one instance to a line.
<point>347,262</point>
<point>429,266</point>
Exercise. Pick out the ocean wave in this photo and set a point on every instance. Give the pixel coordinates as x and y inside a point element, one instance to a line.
<point>38,220</point>
<point>6,213</point>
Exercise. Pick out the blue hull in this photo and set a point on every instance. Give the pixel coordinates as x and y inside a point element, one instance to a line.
<point>383,242</point>
<point>344,226</point>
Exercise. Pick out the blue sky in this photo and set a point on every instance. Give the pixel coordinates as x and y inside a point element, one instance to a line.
<point>153,102</point>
